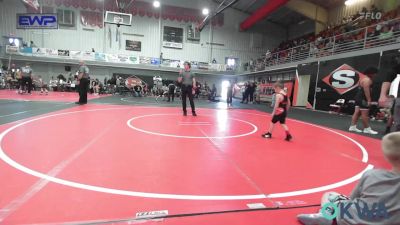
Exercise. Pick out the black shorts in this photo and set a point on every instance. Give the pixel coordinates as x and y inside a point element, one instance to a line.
<point>362,104</point>
<point>279,118</point>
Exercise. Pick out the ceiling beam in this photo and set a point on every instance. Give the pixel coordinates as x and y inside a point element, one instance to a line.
<point>262,13</point>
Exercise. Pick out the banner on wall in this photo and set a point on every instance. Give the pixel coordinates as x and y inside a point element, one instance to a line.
<point>123,58</point>
<point>194,64</point>
<point>133,60</point>
<point>343,79</point>
<point>76,54</point>
<point>112,58</point>
<point>166,62</point>
<point>338,79</point>
<point>144,60</point>
<point>176,63</point>
<point>133,45</point>
<point>173,37</point>
<point>99,56</point>
<point>267,89</point>
<point>203,65</point>
<point>39,51</point>
<point>26,51</point>
<point>88,55</point>
<point>155,61</point>
<point>63,53</point>
<point>12,49</point>
<point>52,52</point>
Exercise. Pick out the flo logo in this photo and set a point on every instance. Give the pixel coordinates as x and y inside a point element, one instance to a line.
<point>344,79</point>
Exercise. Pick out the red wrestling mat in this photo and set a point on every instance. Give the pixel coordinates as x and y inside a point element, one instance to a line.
<point>93,162</point>
<point>51,97</point>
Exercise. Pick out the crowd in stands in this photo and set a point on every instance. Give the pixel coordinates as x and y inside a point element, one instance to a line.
<point>379,29</point>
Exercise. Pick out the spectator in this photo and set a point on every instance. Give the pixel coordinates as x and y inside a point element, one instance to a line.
<point>43,86</point>
<point>245,93</point>
<point>32,45</point>
<point>375,186</point>
<point>171,92</point>
<point>363,102</point>
<point>229,94</point>
<point>213,93</point>
<point>138,90</point>
<point>386,33</point>
<point>53,84</point>
<point>26,80</point>
<point>252,89</point>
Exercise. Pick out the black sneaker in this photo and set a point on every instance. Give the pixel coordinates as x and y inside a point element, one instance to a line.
<point>194,114</point>
<point>267,135</point>
<point>184,113</point>
<point>288,137</point>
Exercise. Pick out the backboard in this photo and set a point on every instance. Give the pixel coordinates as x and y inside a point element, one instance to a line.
<point>118,18</point>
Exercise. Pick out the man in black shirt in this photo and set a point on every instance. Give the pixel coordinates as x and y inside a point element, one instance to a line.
<point>390,83</point>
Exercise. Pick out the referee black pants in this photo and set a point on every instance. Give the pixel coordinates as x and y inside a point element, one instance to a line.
<point>83,90</point>
<point>187,92</point>
<point>27,83</point>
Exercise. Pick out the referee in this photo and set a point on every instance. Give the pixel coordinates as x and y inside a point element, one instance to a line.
<point>187,82</point>
<point>83,79</point>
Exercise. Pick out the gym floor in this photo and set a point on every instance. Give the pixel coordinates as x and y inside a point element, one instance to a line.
<point>118,155</point>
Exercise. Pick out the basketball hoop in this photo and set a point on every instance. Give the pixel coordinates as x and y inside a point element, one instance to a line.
<point>118,20</point>
<point>123,4</point>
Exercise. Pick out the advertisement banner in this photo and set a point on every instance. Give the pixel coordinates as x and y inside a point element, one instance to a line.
<point>12,49</point>
<point>52,52</point>
<point>123,58</point>
<point>155,61</point>
<point>63,53</point>
<point>88,55</point>
<point>99,56</point>
<point>112,58</point>
<point>203,65</point>
<point>338,79</point>
<point>26,51</point>
<point>39,52</point>
<point>267,89</point>
<point>144,60</point>
<point>133,45</point>
<point>37,21</point>
<point>76,54</point>
<point>133,60</point>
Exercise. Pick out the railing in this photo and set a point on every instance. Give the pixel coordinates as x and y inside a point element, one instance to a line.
<point>119,58</point>
<point>364,38</point>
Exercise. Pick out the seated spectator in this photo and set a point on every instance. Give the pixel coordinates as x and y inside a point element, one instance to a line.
<point>375,186</point>
<point>213,93</point>
<point>386,33</point>
<point>137,90</point>
<point>53,84</point>
<point>43,86</point>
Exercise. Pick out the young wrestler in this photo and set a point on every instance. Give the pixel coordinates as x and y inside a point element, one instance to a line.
<point>279,113</point>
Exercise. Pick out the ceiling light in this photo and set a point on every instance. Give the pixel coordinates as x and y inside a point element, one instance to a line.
<point>350,2</point>
<point>156,4</point>
<point>205,11</point>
